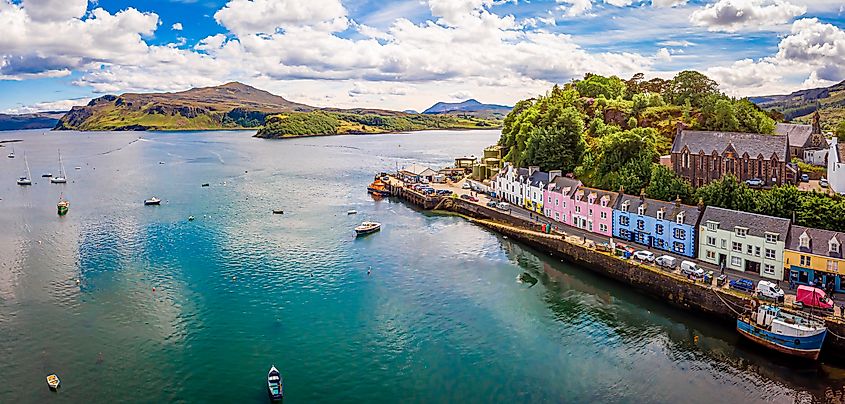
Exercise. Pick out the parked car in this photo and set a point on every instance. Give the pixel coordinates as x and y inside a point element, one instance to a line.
<point>754,182</point>
<point>769,290</point>
<point>469,198</point>
<point>444,192</point>
<point>742,284</point>
<point>491,204</point>
<point>805,178</point>
<point>823,182</point>
<point>690,268</point>
<point>808,296</point>
<point>666,261</point>
<point>466,185</point>
<point>644,255</point>
<point>503,206</point>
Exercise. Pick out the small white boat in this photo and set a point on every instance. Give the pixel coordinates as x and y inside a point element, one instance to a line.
<point>367,228</point>
<point>53,381</point>
<point>352,212</point>
<point>12,154</point>
<point>190,218</point>
<point>25,179</point>
<point>152,201</point>
<point>62,177</point>
<point>275,385</point>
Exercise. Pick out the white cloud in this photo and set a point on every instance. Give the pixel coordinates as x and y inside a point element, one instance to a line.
<point>177,26</point>
<point>668,3</point>
<point>55,10</point>
<point>663,55</point>
<point>63,105</point>
<point>266,16</point>
<point>360,88</point>
<point>735,15</point>
<point>462,95</point>
<point>676,43</point>
<point>575,7</point>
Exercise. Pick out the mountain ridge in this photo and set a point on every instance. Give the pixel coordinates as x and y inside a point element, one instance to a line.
<point>469,107</point>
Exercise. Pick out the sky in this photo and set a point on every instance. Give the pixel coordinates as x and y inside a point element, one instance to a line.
<point>406,54</point>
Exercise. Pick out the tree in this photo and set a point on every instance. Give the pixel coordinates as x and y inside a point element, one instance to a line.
<point>839,131</point>
<point>559,145</point>
<point>752,119</point>
<point>621,159</point>
<point>595,85</point>
<point>821,211</point>
<point>690,85</point>
<point>779,201</point>
<point>665,185</point>
<point>728,193</point>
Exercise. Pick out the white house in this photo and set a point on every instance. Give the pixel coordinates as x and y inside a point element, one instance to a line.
<point>836,166</point>
<point>510,185</point>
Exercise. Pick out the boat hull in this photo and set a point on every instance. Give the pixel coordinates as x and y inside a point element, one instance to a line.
<point>380,192</point>
<point>803,347</point>
<point>364,232</point>
<point>62,210</point>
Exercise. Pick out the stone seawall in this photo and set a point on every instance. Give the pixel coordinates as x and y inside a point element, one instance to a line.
<point>671,288</point>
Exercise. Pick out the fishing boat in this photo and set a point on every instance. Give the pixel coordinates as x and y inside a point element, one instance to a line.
<point>367,228</point>
<point>53,381</point>
<point>792,334</point>
<point>62,207</point>
<point>62,177</point>
<point>275,386</point>
<point>378,187</point>
<point>26,179</point>
<point>190,218</point>
<point>152,201</point>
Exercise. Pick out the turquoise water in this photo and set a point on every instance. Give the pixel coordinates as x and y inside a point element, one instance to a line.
<point>168,310</point>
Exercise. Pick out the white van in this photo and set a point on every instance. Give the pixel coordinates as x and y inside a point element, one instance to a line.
<point>690,268</point>
<point>666,261</point>
<point>503,206</point>
<point>768,290</point>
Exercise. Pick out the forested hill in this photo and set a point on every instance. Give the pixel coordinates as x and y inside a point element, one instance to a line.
<point>801,105</point>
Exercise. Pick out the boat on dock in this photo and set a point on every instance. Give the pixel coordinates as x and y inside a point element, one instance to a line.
<point>792,334</point>
<point>53,381</point>
<point>62,177</point>
<point>62,206</point>
<point>25,179</point>
<point>152,201</point>
<point>378,187</point>
<point>367,228</point>
<point>275,385</point>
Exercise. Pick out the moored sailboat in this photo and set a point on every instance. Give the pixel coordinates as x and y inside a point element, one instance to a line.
<point>792,334</point>
<point>61,178</point>
<point>26,179</point>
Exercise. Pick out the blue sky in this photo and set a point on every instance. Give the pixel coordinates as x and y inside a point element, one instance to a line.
<point>406,54</point>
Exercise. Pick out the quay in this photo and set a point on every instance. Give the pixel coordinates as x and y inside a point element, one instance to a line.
<point>717,302</point>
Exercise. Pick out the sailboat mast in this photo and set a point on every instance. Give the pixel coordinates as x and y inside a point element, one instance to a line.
<point>26,162</point>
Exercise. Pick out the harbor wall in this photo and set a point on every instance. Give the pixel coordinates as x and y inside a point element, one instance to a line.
<point>717,303</point>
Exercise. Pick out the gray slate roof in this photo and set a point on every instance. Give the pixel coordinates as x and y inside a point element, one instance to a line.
<point>600,193</point>
<point>538,179</point>
<point>562,182</point>
<point>652,206</point>
<point>754,144</point>
<point>756,224</point>
<point>798,134</point>
<point>819,240</point>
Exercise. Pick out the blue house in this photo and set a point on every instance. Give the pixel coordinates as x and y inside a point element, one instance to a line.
<point>663,225</point>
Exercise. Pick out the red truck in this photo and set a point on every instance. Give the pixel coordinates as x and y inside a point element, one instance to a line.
<point>808,296</point>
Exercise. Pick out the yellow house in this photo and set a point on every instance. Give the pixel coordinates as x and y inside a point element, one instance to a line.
<point>814,257</point>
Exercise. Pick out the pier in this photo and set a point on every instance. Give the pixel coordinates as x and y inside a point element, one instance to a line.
<point>719,303</point>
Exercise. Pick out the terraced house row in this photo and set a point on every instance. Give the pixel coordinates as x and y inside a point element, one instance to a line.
<point>769,246</point>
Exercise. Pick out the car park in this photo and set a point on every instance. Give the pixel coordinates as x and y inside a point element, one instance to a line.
<point>741,284</point>
<point>691,269</point>
<point>769,290</point>
<point>754,182</point>
<point>643,255</point>
<point>666,261</point>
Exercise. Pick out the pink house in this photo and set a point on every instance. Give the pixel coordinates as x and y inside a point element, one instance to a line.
<point>557,199</point>
<point>592,210</point>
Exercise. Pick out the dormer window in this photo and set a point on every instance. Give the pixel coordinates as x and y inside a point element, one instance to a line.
<point>833,246</point>
<point>641,210</point>
<point>680,218</point>
<point>604,201</point>
<point>625,206</point>
<point>660,214</point>
<point>712,226</point>
<point>741,231</point>
<point>804,241</point>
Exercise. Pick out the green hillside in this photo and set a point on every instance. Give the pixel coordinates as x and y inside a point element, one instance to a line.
<point>801,105</point>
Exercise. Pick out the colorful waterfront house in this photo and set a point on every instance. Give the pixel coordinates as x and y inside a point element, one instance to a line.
<point>535,184</point>
<point>743,241</point>
<point>510,185</point>
<point>558,199</point>
<point>663,225</point>
<point>592,210</point>
<point>814,257</point>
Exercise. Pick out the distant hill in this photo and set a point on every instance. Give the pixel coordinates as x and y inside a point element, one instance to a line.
<point>800,105</point>
<point>469,107</point>
<point>40,120</point>
<point>229,106</point>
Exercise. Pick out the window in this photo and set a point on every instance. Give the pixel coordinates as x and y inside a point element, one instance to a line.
<point>724,244</point>
<point>625,206</point>
<point>604,215</point>
<point>660,214</point>
<point>749,249</point>
<point>711,255</point>
<point>604,202</point>
<point>771,238</point>
<point>686,159</point>
<point>623,220</point>
<point>741,231</point>
<point>770,254</point>
<point>680,218</point>
<point>680,234</point>
<point>658,229</point>
<point>577,209</point>
<point>737,246</point>
<point>641,210</point>
<point>833,246</point>
<point>832,266</point>
<point>590,212</point>
<point>711,226</point>
<point>550,199</point>
<point>804,241</point>
<point>640,225</point>
<point>769,269</point>
<point>625,234</point>
<point>603,227</point>
<point>736,261</point>
<point>678,247</point>
<point>711,241</point>
<point>805,260</point>
<point>660,243</point>
<point>557,216</point>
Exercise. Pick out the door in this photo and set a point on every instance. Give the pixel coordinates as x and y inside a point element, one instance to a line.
<point>723,260</point>
<point>752,266</point>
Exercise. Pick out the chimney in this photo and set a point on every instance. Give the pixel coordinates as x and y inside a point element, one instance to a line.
<point>642,195</point>
<point>621,190</point>
<point>554,174</point>
<point>533,169</point>
<point>678,201</point>
<point>701,204</point>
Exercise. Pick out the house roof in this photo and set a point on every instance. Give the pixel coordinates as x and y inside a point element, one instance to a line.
<point>819,241</point>
<point>600,193</point>
<point>561,183</point>
<point>652,206</point>
<point>538,179</point>
<point>417,169</point>
<point>757,225</point>
<point>754,144</point>
<point>799,135</point>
